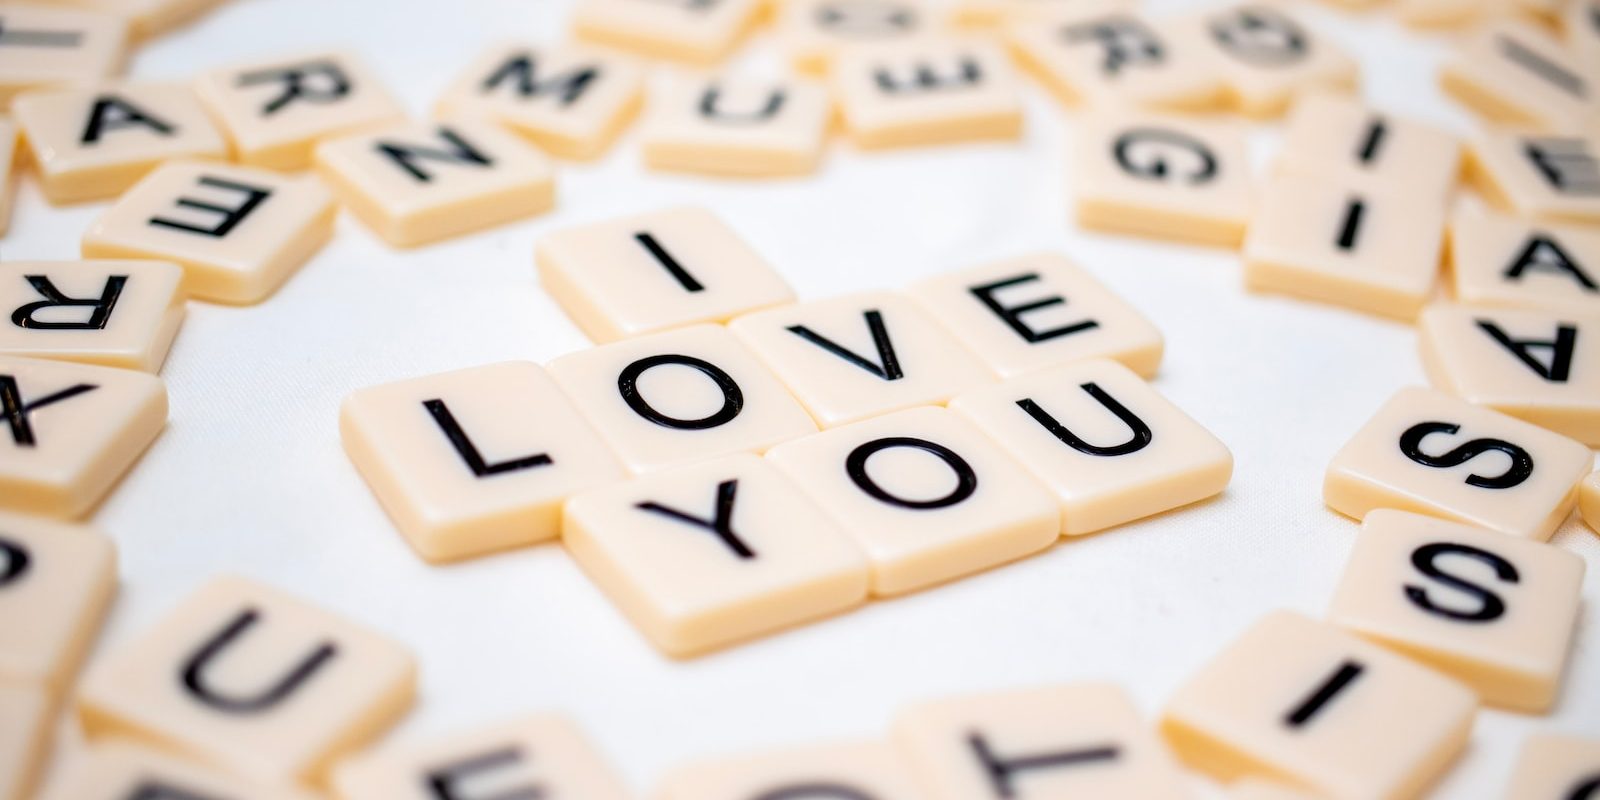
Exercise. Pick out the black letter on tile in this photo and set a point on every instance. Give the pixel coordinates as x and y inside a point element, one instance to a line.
<point>15,411</point>
<point>522,71</point>
<point>149,790</point>
<point>24,317</point>
<point>1520,469</point>
<point>195,667</point>
<point>670,264</point>
<point>1372,143</point>
<point>14,562</point>
<point>1553,73</point>
<point>1589,789</point>
<point>1566,164</point>
<point>1560,348</point>
<point>1139,438</point>
<point>864,19</point>
<point>1350,229</point>
<point>460,152</point>
<point>1336,683</point>
<point>732,395</point>
<point>111,113</point>
<point>721,523</point>
<point>231,216</point>
<point>313,81</point>
<point>1012,315</point>
<point>1126,41</point>
<point>1261,36</point>
<point>1003,772</point>
<point>15,38</point>
<point>1490,606</point>
<point>442,782</point>
<point>1205,166</point>
<point>1544,253</point>
<point>856,467</point>
<point>888,364</point>
<point>925,77</point>
<point>710,110</point>
<point>469,451</point>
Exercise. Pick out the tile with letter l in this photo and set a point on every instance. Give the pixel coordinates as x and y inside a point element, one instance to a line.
<point>927,91</point>
<point>1269,57</point>
<point>1556,765</point>
<point>116,770</point>
<point>813,32</point>
<point>849,771</point>
<point>26,712</point>
<point>1513,73</point>
<point>1338,137</point>
<point>1501,261</point>
<point>56,583</point>
<point>700,32</point>
<point>739,127</point>
<point>1098,56</point>
<point>115,313</point>
<point>54,47</point>
<point>1549,177</point>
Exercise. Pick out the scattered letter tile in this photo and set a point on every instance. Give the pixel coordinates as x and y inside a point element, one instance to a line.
<point>1554,177</point>
<point>1513,73</point>
<point>52,47</point>
<point>113,313</point>
<point>1338,137</point>
<point>738,127</point>
<point>1102,56</point>
<point>1269,57</point>
<point>1506,262</point>
<point>692,31</point>
<point>815,31</point>
<point>932,90</point>
<point>1556,765</point>
<point>56,581</point>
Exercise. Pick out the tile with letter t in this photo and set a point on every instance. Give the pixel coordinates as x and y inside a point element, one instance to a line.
<point>925,494</point>
<point>815,31</point>
<point>1493,611</point>
<point>1431,453</point>
<point>542,756</point>
<point>91,144</point>
<point>694,31</point>
<point>1514,73</point>
<point>1269,57</point>
<point>116,770</point>
<point>927,91</point>
<point>50,46</point>
<point>26,713</point>
<point>714,553</point>
<point>248,679</point>
<point>851,771</point>
<point>1301,701</point>
<point>1338,137</point>
<point>56,582</point>
<point>1100,56</point>
<point>113,313</point>
<point>238,232</point>
<point>474,460</point>
<point>1501,261</point>
<point>739,127</point>
<point>417,183</point>
<point>1553,178</point>
<point>1589,501</point>
<point>1556,765</point>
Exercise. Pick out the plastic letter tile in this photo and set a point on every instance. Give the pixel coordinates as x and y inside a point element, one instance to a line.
<point>650,272</point>
<point>1493,611</point>
<point>815,31</point>
<point>680,396</point>
<point>854,771</point>
<point>856,356</point>
<point>1589,499</point>
<point>1511,72</point>
<point>1502,261</point>
<point>1268,57</point>
<point>56,582</point>
<point>419,183</point>
<point>1554,177</point>
<point>1556,765</point>
<point>710,554</point>
<point>475,460</point>
<point>113,313</point>
<point>90,144</point>
<point>1306,703</point>
<point>25,714</point>
<point>1340,138</point>
<point>1103,56</point>
<point>693,31</point>
<point>924,91</point>
<point>1582,27</point>
<point>1108,445</point>
<point>252,681</point>
<point>126,771</point>
<point>925,494</point>
<point>8,169</point>
<point>1428,452</point>
<point>738,127</point>
<point>57,47</point>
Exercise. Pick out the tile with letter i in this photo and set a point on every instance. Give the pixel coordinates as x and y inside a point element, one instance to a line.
<point>814,31</point>
<point>1552,178</point>
<point>699,32</point>
<point>1554,765</point>
<point>1269,57</point>
<point>1306,703</point>
<point>1337,137</point>
<point>8,171</point>
<point>56,583</point>
<point>1501,261</point>
<point>113,313</point>
<point>125,770</point>
<point>1099,56</point>
<point>1589,501</point>
<point>737,127</point>
<point>46,46</point>
<point>927,91</point>
<point>1431,453</point>
<point>1515,73</point>
<point>852,771</point>
<point>26,713</point>
<point>1073,740</point>
<point>251,681</point>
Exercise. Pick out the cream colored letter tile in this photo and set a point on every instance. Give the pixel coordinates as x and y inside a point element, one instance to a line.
<point>25,714</point>
<point>925,91</point>
<point>56,582</point>
<point>738,127</point>
<point>1428,452</point>
<point>1581,24</point>
<point>8,169</point>
<point>855,771</point>
<point>57,47</point>
<point>925,494</point>
<point>815,31</point>
<point>1268,57</point>
<point>1556,766</point>
<point>1554,178</point>
<point>116,770</point>
<point>694,31</point>
<point>650,272</point>
<point>1336,137</point>
<point>1589,499</point>
<point>1513,73</point>
<point>1506,262</point>
<point>1104,56</point>
<point>149,18</point>
<point>252,680</point>
<point>114,313</point>
<point>707,555</point>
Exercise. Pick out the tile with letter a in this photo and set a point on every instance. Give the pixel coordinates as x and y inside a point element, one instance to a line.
<point>1108,445</point>
<point>650,272</point>
<point>1099,56</point>
<point>1039,310</point>
<point>113,313</point>
<point>1552,178</point>
<point>851,771</point>
<point>537,756</point>
<point>91,144</point>
<point>1163,176</point>
<point>238,232</point>
<point>1561,766</point>
<point>1501,261</point>
<point>1493,611</point>
<point>1514,73</point>
<point>417,183</point>
<point>252,681</point>
<point>925,494</point>
<point>694,31</point>
<point>1589,501</point>
<point>856,356</point>
<point>71,431</point>
<point>25,717</point>
<point>711,554</point>
<point>737,127</point>
<point>1269,57</point>
<point>8,171</point>
<point>814,31</point>
<point>1303,702</point>
<point>571,101</point>
<point>56,582</point>
<point>1431,453</point>
<point>474,460</point>
<point>117,770</point>
<point>926,91</point>
<point>1338,137</point>
<point>1072,740</point>
<point>43,47</point>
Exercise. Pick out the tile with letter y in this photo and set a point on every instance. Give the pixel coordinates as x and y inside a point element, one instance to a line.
<point>1515,73</point>
<point>1269,56</point>
<point>26,712</point>
<point>56,583</point>
<point>113,313</point>
<point>927,91</point>
<point>813,32</point>
<point>116,770</point>
<point>48,46</point>
<point>740,127</point>
<point>1338,137</point>
<point>1502,261</point>
<point>1548,177</point>
<point>848,771</point>
<point>693,31</point>
<point>1556,765</point>
<point>1100,56</point>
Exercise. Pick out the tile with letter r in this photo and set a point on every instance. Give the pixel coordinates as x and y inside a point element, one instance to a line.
<point>1099,56</point>
<point>927,91</point>
<point>1549,177</point>
<point>848,771</point>
<point>1556,765</point>
<point>697,32</point>
<point>1269,56</point>
<point>735,126</point>
<point>56,583</point>
<point>120,770</point>
<point>1501,261</point>
<point>1512,72</point>
<point>813,32</point>
<point>1338,137</point>
<point>115,313</point>
<point>26,714</point>
<point>48,46</point>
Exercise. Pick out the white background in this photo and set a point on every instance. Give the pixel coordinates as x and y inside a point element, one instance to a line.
<point>249,477</point>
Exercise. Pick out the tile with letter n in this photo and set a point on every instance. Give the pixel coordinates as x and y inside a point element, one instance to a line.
<point>846,771</point>
<point>1099,56</point>
<point>813,32</point>
<point>109,312</point>
<point>1269,56</point>
<point>699,32</point>
<point>43,46</point>
<point>1337,137</point>
<point>739,127</point>
<point>56,583</point>
<point>26,714</point>
<point>1514,73</point>
<point>1565,766</point>
<point>119,769</point>
<point>1549,177</point>
<point>927,91</point>
<point>1501,261</point>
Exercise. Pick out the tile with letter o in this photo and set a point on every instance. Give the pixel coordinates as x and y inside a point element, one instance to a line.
<point>737,127</point>
<point>1337,137</point>
<point>56,582</point>
<point>26,713</point>
<point>1269,57</point>
<point>927,91</point>
<point>117,770</point>
<point>698,32</point>
<point>1556,765</point>
<point>1514,73</point>
<point>1102,56</point>
<point>116,313</point>
<point>1501,261</point>
<point>813,32</point>
<point>54,47</point>
<point>849,771</point>
<point>1551,177</point>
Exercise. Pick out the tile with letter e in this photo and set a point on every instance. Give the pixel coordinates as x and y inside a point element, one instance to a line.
<point>71,431</point>
<point>738,127</point>
<point>475,460</point>
<point>1553,178</point>
<point>1039,310</point>
<point>238,232</point>
<point>1339,137</point>
<point>25,715</point>
<point>857,356</point>
<point>91,144</point>
<point>50,46</point>
<point>248,679</point>
<point>1301,701</point>
<point>56,582</point>
<point>1269,57</point>
<point>693,31</point>
<point>851,771</point>
<point>1589,500</point>
<point>927,91</point>
<point>1556,765</point>
<point>680,396</point>
<point>1514,73</point>
<point>571,101</point>
<point>1098,56</point>
<point>650,272</point>
<point>714,553</point>
<point>535,756</point>
<point>417,183</point>
<point>1431,453</point>
<point>814,31</point>
<point>1501,261</point>
<point>117,770</point>
<point>108,312</point>
<point>1108,445</point>
<point>1163,176</point>
<point>1493,611</point>
<point>925,494</point>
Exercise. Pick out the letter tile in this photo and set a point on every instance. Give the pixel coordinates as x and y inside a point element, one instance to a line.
<point>680,396</point>
<point>1550,178</point>
<point>1259,789</point>
<point>707,555</point>
<point>72,431</point>
<point>1341,242</point>
<point>56,582</point>
<point>417,183</point>
<point>540,756</point>
<point>1589,500</point>
<point>1100,56</point>
<point>1162,176</point>
<point>693,31</point>
<point>116,770</point>
<point>989,13</point>
<point>8,169</point>
<point>1428,452</point>
<point>1037,311</point>
<point>925,494</point>
<point>475,460</point>
<point>925,91</point>
<point>857,356</point>
<point>815,31</point>
<point>1074,740</point>
<point>650,272</point>
<point>1556,766</point>
<point>275,111</point>
<point>91,144</point>
<point>25,717</point>
<point>1513,73</point>
<point>113,313</point>
<point>738,127</point>
<point>1506,262</point>
<point>57,47</point>
<point>1108,445</point>
<point>1269,57</point>
<point>250,680</point>
<point>854,771</point>
<point>1303,702</point>
<point>570,101</point>
<point>1330,136</point>
<point>1581,24</point>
